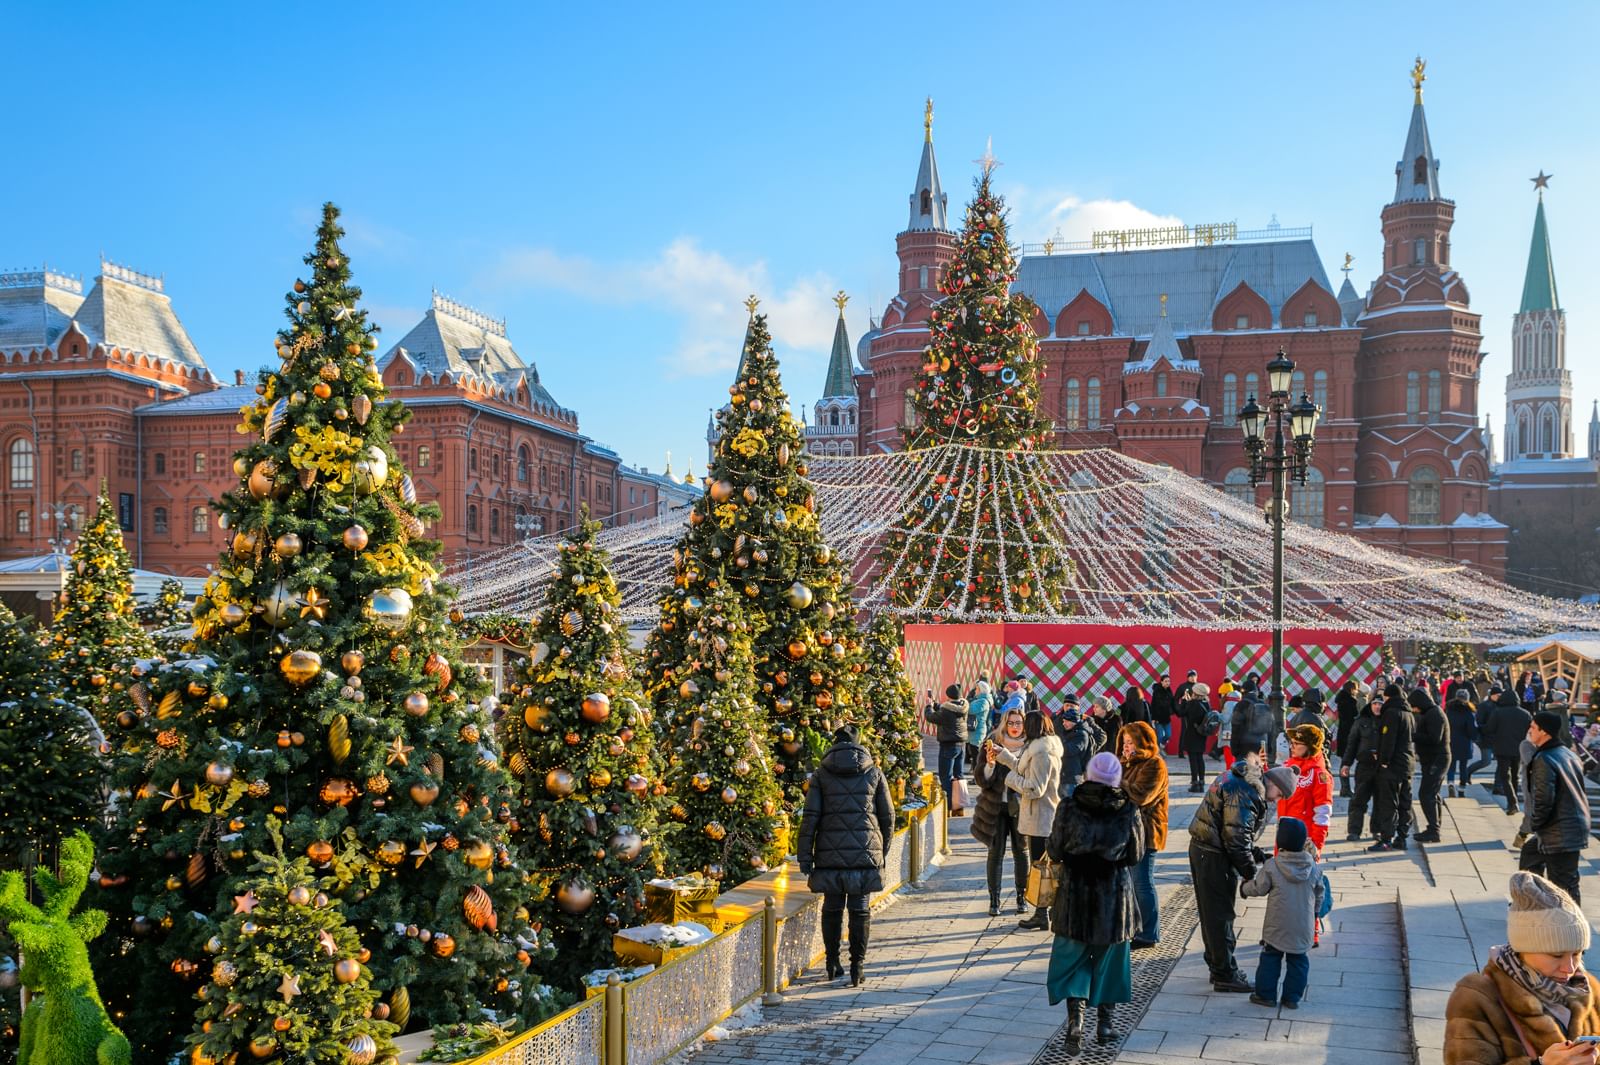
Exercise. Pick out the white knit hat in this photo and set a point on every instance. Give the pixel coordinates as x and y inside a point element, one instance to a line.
<point>1543,919</point>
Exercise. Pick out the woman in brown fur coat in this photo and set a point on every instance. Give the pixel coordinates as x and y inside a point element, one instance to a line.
<point>1533,998</point>
<point>1144,778</point>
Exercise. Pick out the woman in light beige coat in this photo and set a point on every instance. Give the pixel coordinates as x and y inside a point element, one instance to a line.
<point>1036,777</point>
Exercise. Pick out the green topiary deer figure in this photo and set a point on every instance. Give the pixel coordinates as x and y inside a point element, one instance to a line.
<point>67,1024</point>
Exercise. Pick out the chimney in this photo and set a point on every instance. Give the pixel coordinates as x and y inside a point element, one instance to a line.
<point>238,377</point>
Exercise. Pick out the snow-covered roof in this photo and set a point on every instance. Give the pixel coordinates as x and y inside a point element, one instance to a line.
<point>455,339</point>
<point>228,399</point>
<point>132,312</point>
<point>36,306</point>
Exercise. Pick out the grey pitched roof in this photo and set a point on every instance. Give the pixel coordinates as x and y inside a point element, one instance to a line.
<point>1195,279</point>
<point>218,400</point>
<point>36,307</point>
<point>938,200</point>
<point>1351,304</point>
<point>1418,146</point>
<point>132,312</point>
<point>455,339</point>
<point>1163,345</point>
<point>840,381</point>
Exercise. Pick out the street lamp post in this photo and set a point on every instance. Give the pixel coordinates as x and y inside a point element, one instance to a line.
<point>1289,457</point>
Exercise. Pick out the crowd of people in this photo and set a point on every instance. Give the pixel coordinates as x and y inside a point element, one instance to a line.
<point>1074,797</point>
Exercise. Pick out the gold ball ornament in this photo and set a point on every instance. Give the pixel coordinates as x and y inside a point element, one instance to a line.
<point>300,668</point>
<point>355,538</point>
<point>372,469</point>
<point>600,778</point>
<point>559,782</point>
<point>596,707</point>
<point>391,852</point>
<point>637,784</point>
<point>288,545</point>
<point>799,596</point>
<point>721,491</point>
<point>299,895</point>
<point>263,1046</point>
<point>279,608</point>
<point>281,1024</point>
<point>478,908</point>
<point>245,542</point>
<point>730,795</point>
<point>219,773</point>
<point>388,608</point>
<point>347,970</point>
<point>701,782</point>
<point>363,1050</point>
<point>537,717</point>
<point>263,479</point>
<point>479,855</point>
<point>714,830</point>
<point>575,897</point>
<point>416,704</point>
<point>232,614</point>
<point>424,792</point>
<point>338,792</point>
<point>322,390</point>
<point>320,852</point>
<point>352,661</point>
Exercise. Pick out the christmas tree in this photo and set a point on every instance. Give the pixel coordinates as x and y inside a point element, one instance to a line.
<point>979,386</point>
<point>578,743</point>
<point>49,781</point>
<point>727,820</point>
<point>287,974</point>
<point>755,532</point>
<point>97,644</point>
<point>323,686</point>
<point>891,730</point>
<point>165,618</point>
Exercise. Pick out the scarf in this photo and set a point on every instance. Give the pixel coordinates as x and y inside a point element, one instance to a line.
<point>1559,999</point>
<point>1013,745</point>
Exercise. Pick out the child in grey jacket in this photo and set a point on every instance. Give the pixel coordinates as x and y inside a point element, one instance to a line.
<point>1292,882</point>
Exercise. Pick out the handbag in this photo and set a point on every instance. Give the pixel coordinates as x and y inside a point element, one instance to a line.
<point>960,799</point>
<point>1044,877</point>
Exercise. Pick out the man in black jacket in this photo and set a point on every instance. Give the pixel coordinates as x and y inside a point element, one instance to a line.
<point>1361,751</point>
<point>1348,706</point>
<point>1504,729</point>
<point>843,843</point>
<point>1432,738</point>
<point>1558,807</point>
<point>1222,850</point>
<point>950,718</point>
<point>1397,759</point>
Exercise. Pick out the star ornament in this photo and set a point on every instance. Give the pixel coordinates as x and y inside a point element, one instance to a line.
<point>289,987</point>
<point>326,941</point>
<point>424,849</point>
<point>175,796</point>
<point>1541,182</point>
<point>314,604</point>
<point>398,752</point>
<point>246,903</point>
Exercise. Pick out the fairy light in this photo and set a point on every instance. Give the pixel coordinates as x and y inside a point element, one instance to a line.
<point>1140,538</point>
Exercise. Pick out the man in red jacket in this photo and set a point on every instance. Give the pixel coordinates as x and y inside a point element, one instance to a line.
<point>1312,801</point>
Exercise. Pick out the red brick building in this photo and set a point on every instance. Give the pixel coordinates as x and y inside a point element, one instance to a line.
<point>1151,350</point>
<point>110,387</point>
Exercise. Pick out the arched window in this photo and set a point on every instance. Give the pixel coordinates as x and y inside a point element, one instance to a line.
<point>1547,430</point>
<point>1525,349</point>
<point>1319,389</point>
<point>22,457</point>
<point>200,520</point>
<point>927,202</point>
<point>472,460</point>
<point>77,460</point>
<point>494,522</point>
<point>1413,394</point>
<point>1419,250</point>
<point>1252,385</point>
<point>1419,171</point>
<point>158,519</point>
<point>199,462</point>
<point>24,523</point>
<point>1422,497</point>
<point>1524,432</point>
<point>1547,346</point>
<point>1306,501</point>
<point>494,464</point>
<point>424,457</point>
<point>1435,395</point>
<point>161,462</point>
<point>1092,406</point>
<point>522,463</point>
<point>1161,384</point>
<point>1230,398</point>
<point>833,417</point>
<point>1072,403</point>
<point>544,477</point>
<point>1237,484</point>
<point>472,518</point>
<point>1297,385</point>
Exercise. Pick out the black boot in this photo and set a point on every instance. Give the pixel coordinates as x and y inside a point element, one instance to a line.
<point>1344,788</point>
<point>860,930</point>
<point>1076,1008</point>
<point>1039,922</point>
<point>832,928</point>
<point>1103,1032</point>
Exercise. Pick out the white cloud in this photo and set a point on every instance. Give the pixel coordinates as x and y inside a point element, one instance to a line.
<point>703,289</point>
<point>1038,214</point>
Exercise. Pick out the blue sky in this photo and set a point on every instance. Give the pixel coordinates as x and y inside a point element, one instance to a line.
<point>613,182</point>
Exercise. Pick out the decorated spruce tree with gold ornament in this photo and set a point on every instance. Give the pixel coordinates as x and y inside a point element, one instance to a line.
<point>890,701</point>
<point>578,742</point>
<point>324,687</point>
<point>98,647</point>
<point>978,543</point>
<point>725,817</point>
<point>754,532</point>
<point>286,976</point>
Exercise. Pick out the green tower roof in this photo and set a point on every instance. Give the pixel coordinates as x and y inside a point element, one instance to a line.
<point>1539,287</point>
<point>840,382</point>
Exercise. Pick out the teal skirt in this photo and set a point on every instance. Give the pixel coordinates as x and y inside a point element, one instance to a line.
<point>1103,975</point>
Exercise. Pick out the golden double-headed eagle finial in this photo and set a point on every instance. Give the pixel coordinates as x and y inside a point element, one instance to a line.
<point>927,120</point>
<point>751,303</point>
<point>839,300</point>
<point>1418,76</point>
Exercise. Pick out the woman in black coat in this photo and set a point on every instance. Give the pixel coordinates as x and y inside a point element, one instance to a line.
<point>995,819</point>
<point>1463,717</point>
<point>1192,712</point>
<point>1098,837</point>
<point>844,839</point>
<point>1162,707</point>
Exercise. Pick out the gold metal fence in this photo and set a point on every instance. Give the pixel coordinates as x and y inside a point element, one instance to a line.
<point>775,934</point>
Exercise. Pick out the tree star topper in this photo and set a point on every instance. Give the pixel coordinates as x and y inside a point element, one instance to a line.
<point>988,161</point>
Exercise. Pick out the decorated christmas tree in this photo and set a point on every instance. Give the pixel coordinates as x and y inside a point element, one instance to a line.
<point>287,974</point>
<point>726,815</point>
<point>96,642</point>
<point>324,687</point>
<point>50,781</point>
<point>890,730</point>
<point>578,743</point>
<point>978,543</point>
<point>166,619</point>
<point>754,532</point>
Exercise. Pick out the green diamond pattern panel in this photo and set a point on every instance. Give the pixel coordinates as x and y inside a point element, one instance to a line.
<point>1088,669</point>
<point>1247,658</point>
<point>975,658</point>
<point>922,665</point>
<point>1329,665</point>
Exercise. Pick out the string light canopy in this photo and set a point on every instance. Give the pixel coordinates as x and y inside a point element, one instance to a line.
<point>1146,543</point>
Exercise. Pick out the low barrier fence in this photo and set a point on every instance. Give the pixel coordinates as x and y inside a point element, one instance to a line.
<point>774,934</point>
